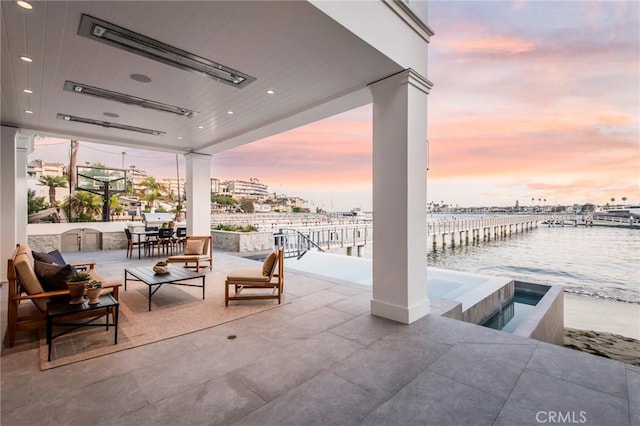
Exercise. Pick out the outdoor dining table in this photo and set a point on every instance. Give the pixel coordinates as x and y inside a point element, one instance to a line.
<point>146,234</point>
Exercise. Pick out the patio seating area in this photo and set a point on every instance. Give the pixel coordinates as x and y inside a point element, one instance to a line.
<point>323,360</point>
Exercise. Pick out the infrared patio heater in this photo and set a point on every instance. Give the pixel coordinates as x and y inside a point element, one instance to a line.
<point>103,182</point>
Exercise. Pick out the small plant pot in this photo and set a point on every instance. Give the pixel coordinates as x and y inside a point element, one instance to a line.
<point>94,295</point>
<point>76,291</point>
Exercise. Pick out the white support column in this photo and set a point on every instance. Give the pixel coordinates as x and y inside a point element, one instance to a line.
<point>198,193</point>
<point>14,151</point>
<point>400,197</point>
<point>24,147</point>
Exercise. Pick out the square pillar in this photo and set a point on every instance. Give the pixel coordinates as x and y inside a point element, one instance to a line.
<point>14,151</point>
<point>198,193</point>
<point>400,197</point>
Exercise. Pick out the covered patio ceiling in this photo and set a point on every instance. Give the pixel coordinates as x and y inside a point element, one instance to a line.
<point>314,66</point>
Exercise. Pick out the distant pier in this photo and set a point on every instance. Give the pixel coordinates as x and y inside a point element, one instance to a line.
<point>463,231</point>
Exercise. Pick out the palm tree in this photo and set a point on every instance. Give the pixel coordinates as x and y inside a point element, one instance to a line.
<point>53,182</point>
<point>115,207</point>
<point>624,199</point>
<point>151,196</point>
<point>152,190</point>
<point>85,204</point>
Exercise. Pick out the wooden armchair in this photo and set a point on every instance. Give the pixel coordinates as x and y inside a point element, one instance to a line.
<point>197,250</point>
<point>23,285</point>
<point>257,278</point>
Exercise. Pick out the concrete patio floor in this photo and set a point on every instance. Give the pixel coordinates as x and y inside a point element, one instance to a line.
<point>321,359</point>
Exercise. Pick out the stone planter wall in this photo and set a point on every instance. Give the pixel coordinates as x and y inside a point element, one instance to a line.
<point>45,237</point>
<point>242,241</point>
<point>48,237</point>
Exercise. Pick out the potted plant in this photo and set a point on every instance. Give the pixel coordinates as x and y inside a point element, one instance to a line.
<point>76,284</point>
<point>93,291</point>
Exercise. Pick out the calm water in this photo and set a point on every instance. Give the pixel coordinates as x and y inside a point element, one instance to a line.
<point>599,262</point>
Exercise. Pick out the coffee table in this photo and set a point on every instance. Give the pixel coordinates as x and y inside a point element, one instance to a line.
<point>107,304</point>
<point>175,276</point>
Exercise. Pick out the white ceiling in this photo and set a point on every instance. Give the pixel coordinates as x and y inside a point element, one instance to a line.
<point>290,47</point>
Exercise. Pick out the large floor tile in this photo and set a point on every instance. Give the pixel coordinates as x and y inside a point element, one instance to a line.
<point>493,368</point>
<point>326,399</point>
<point>358,304</point>
<point>592,371</point>
<point>82,405</point>
<point>633,386</point>
<point>163,379</point>
<point>305,325</point>
<point>219,401</point>
<point>277,373</point>
<point>432,399</point>
<point>367,329</point>
<point>390,364</point>
<point>540,392</point>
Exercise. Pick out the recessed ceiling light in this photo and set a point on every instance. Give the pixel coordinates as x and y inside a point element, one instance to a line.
<point>230,112</point>
<point>140,78</point>
<point>28,111</point>
<point>29,91</point>
<point>180,137</point>
<point>270,92</point>
<point>24,4</point>
<point>26,58</point>
<point>200,127</point>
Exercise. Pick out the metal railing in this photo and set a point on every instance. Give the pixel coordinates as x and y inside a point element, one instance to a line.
<point>297,242</point>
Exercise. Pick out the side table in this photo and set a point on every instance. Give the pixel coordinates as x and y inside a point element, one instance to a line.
<point>107,305</point>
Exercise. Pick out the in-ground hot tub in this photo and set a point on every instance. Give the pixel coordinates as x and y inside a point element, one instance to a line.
<point>470,297</point>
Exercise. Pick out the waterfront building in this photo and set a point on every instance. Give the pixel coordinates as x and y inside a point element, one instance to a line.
<point>215,186</point>
<point>37,169</point>
<point>175,187</point>
<point>136,176</point>
<point>251,189</point>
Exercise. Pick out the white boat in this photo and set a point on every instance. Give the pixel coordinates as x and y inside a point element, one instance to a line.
<point>627,211</point>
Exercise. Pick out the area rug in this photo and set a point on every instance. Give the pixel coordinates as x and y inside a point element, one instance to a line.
<point>175,311</point>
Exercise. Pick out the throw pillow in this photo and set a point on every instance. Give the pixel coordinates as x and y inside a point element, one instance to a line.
<point>52,257</point>
<point>52,277</point>
<point>59,260</point>
<point>269,264</point>
<point>193,247</point>
<point>43,257</point>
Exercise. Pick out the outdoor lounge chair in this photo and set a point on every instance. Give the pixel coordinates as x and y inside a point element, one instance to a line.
<point>197,250</point>
<point>257,278</point>
<point>24,285</point>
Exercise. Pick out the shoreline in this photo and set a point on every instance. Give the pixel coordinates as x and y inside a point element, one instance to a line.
<point>605,316</point>
<point>602,327</point>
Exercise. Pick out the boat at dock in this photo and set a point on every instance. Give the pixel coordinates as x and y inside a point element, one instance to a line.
<point>626,212</point>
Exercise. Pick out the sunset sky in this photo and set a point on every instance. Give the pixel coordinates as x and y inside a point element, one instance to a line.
<point>531,99</point>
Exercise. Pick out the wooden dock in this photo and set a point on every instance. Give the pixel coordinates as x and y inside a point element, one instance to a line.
<point>463,231</point>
